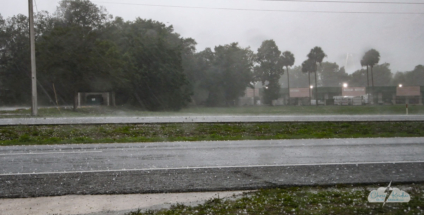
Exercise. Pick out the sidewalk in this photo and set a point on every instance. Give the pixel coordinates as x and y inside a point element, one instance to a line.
<point>103,204</point>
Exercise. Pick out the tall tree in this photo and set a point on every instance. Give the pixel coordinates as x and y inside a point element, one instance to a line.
<point>14,60</point>
<point>384,74</point>
<point>269,69</point>
<point>410,78</point>
<point>81,49</point>
<point>240,73</point>
<point>415,77</point>
<point>72,53</point>
<point>363,63</point>
<point>316,55</point>
<point>230,74</point>
<point>199,75</point>
<point>153,56</point>
<point>373,59</point>
<point>288,61</point>
<point>398,78</point>
<point>82,13</point>
<point>220,76</point>
<point>298,79</point>
<point>309,66</point>
<point>370,59</point>
<point>330,75</point>
<point>358,78</point>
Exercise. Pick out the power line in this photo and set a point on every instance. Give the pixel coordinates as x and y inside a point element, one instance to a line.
<point>265,10</point>
<point>350,2</point>
<point>36,8</point>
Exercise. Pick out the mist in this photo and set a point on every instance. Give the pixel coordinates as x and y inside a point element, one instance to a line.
<point>398,37</point>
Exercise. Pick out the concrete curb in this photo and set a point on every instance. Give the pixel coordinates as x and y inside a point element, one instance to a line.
<point>209,119</point>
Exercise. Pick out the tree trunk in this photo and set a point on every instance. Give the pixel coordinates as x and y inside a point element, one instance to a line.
<point>372,82</point>
<point>288,84</point>
<point>254,93</point>
<point>113,98</point>
<point>75,100</point>
<point>316,89</point>
<point>368,82</point>
<point>140,102</point>
<point>310,93</point>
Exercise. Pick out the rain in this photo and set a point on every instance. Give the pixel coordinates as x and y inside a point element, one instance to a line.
<point>210,107</point>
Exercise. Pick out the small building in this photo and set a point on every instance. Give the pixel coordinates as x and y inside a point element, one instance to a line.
<point>352,96</point>
<point>95,99</point>
<point>383,95</point>
<point>300,96</point>
<point>408,95</point>
<point>251,97</point>
<point>353,91</point>
<point>326,94</point>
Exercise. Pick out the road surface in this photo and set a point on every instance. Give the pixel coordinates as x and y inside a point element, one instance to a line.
<point>206,166</point>
<point>210,119</point>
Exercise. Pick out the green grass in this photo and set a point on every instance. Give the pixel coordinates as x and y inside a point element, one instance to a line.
<point>340,199</point>
<point>308,110</point>
<point>112,133</point>
<point>257,110</point>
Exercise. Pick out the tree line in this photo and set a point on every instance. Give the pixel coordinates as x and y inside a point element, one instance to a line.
<point>82,48</point>
<point>332,75</point>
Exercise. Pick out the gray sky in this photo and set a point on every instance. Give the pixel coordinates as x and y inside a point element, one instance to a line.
<point>398,38</point>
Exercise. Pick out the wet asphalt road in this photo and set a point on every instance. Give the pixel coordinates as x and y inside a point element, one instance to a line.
<point>206,166</point>
<point>209,119</point>
<point>141,156</point>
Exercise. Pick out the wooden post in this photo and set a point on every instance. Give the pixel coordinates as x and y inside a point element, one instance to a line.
<point>407,109</point>
<point>34,104</point>
<point>113,99</point>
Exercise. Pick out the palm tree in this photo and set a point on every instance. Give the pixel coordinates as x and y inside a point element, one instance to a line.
<point>370,59</point>
<point>364,63</point>
<point>309,66</point>
<point>373,59</point>
<point>316,55</point>
<point>288,61</point>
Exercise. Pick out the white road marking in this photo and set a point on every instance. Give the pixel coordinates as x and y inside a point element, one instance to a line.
<point>212,167</point>
<point>48,153</point>
<point>211,118</point>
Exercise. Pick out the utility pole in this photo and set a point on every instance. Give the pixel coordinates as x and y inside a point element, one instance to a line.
<point>34,105</point>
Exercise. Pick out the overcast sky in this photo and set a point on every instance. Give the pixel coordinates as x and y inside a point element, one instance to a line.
<point>398,37</point>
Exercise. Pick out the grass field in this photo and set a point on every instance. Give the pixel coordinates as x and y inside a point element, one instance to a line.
<point>340,199</point>
<point>66,134</point>
<point>257,110</point>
